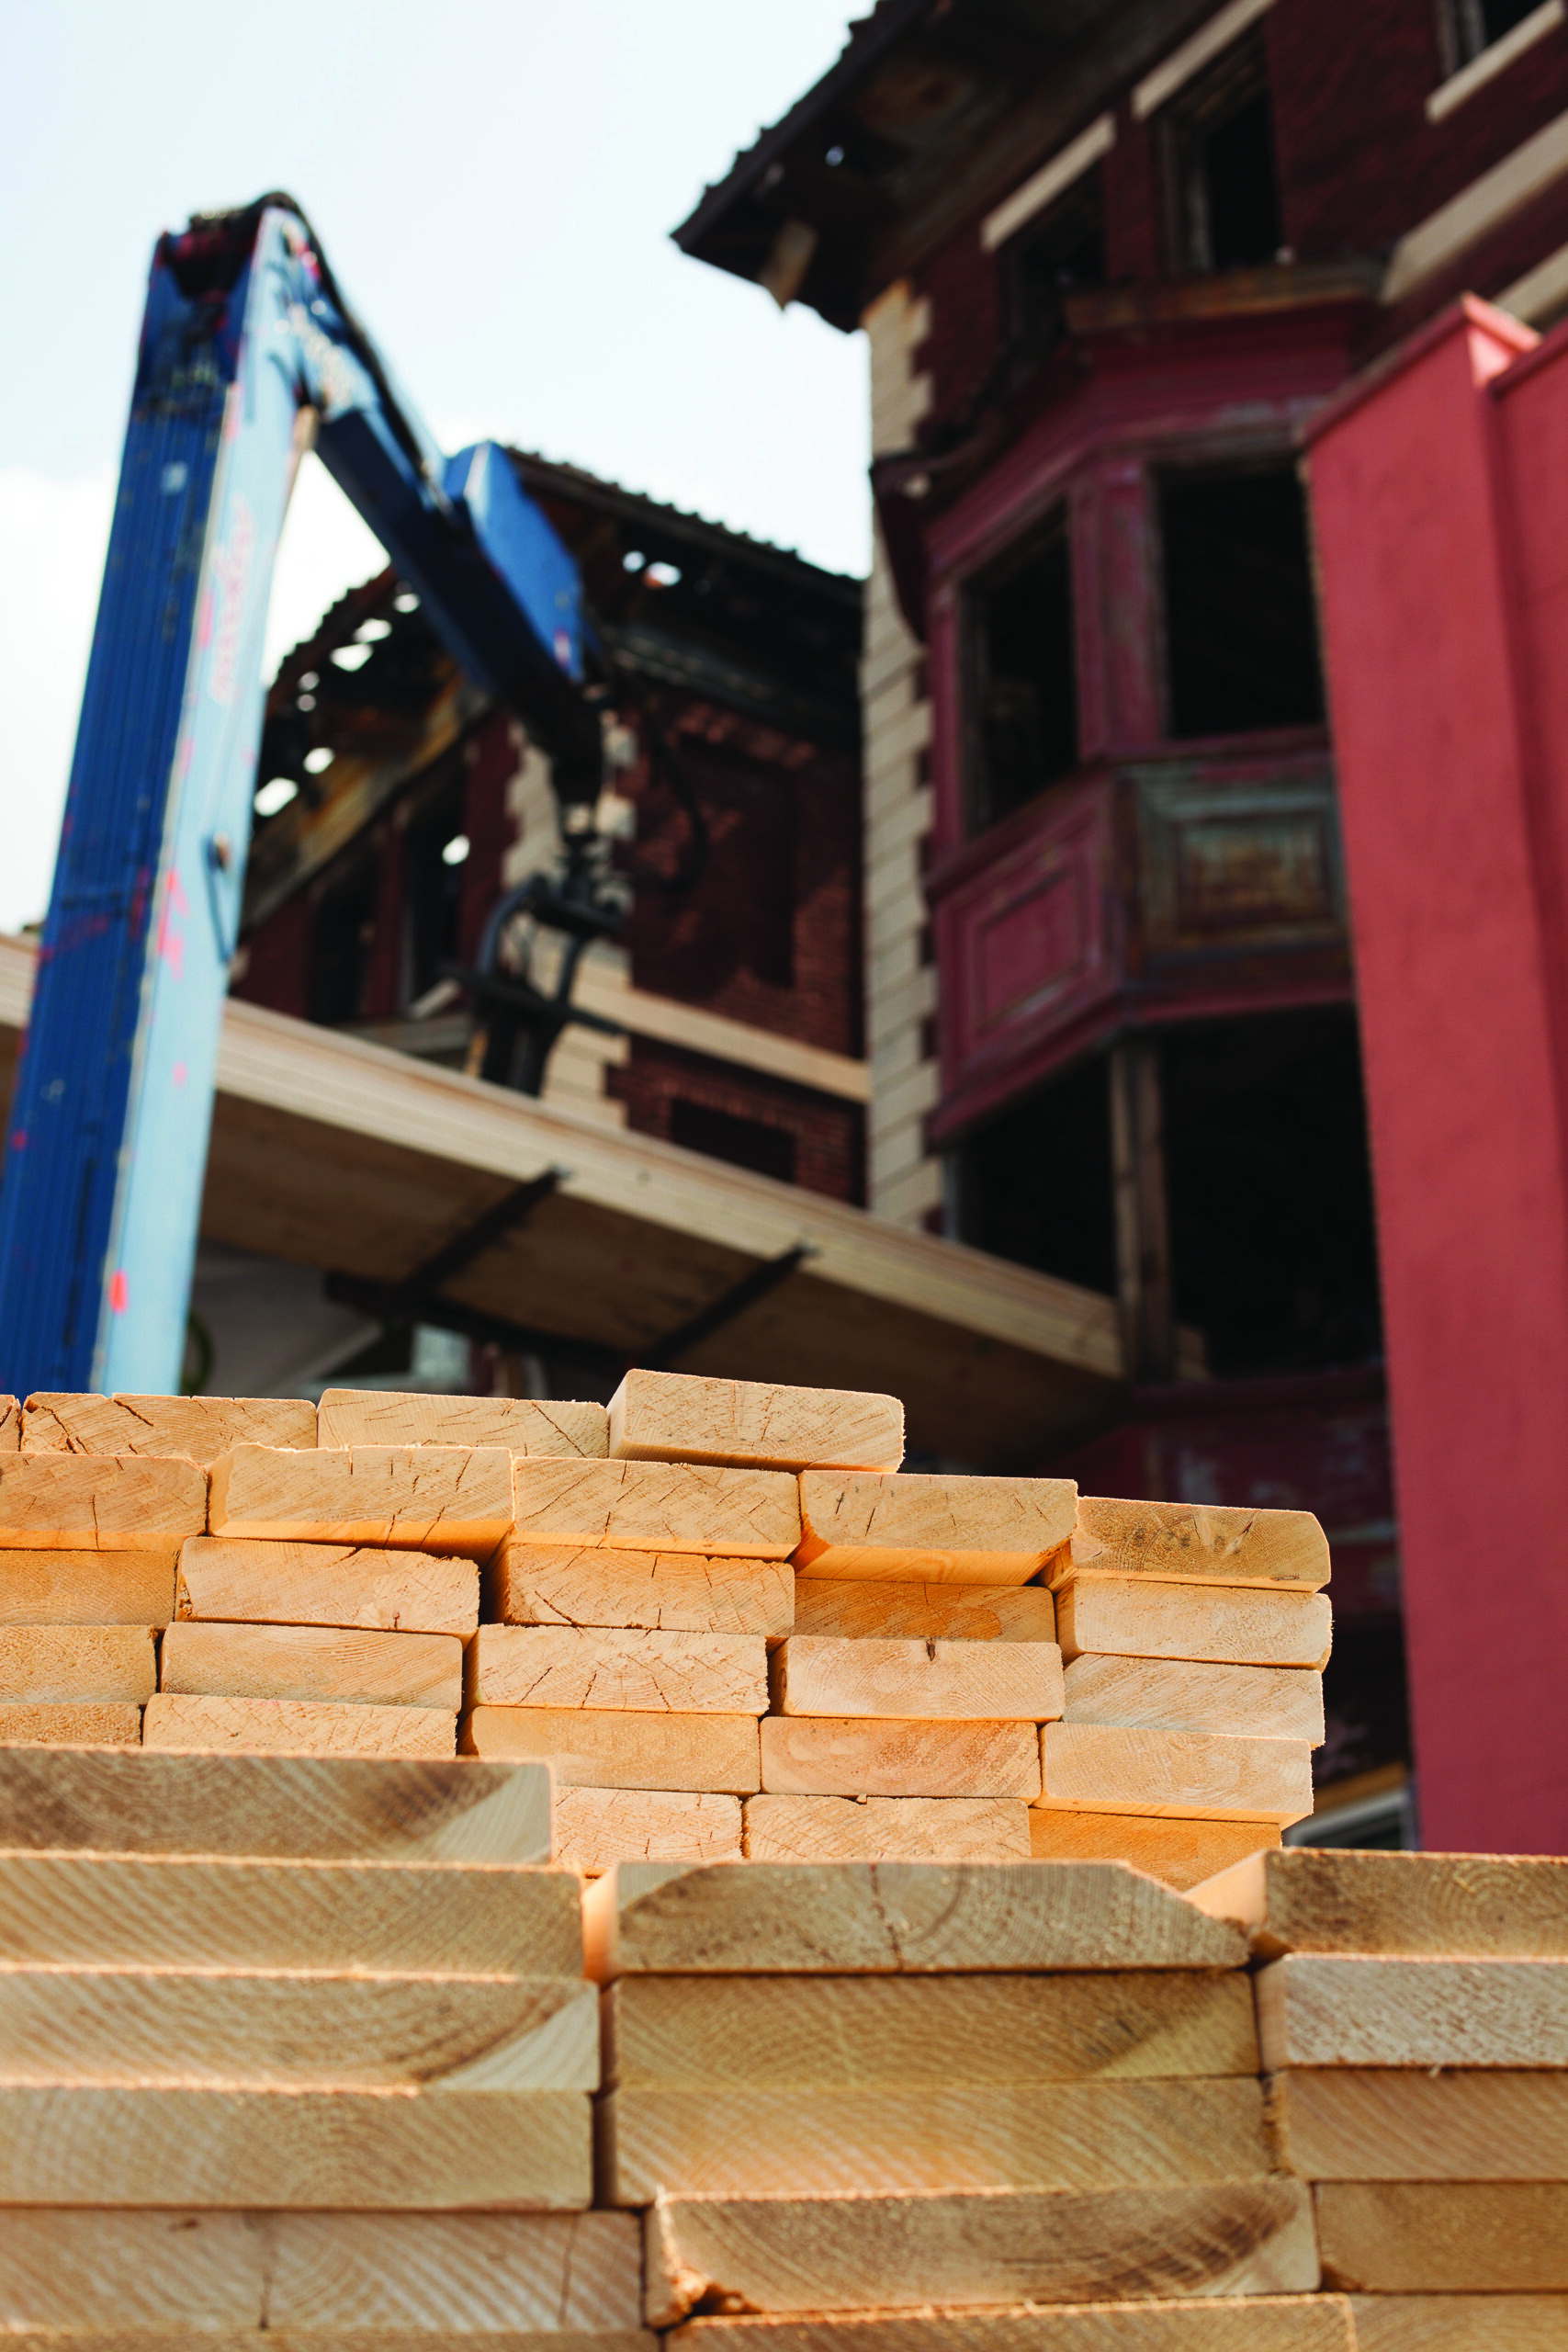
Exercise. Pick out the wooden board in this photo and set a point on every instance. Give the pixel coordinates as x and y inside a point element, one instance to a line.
<point>10,1425</point>
<point>75,2144</point>
<point>627,1669</point>
<point>41,1723</point>
<point>767,2142</point>
<point>1317,2010</point>
<point>1444,2236</point>
<point>935,1829</point>
<point>672,1592</point>
<point>349,2029</point>
<point>658,1507</point>
<point>1180,1694</point>
<point>914,1529</point>
<point>838,1756</point>
<point>962,1682</point>
<point>318,1808</point>
<point>597,1828</point>
<point>1461,2323</point>
<point>1239,2324</point>
<point>1459,1905</point>
<point>202,1911</point>
<point>846,1918</point>
<point>193,2276</point>
<point>1196,1543</point>
<point>397,1416</point>
<point>326,1584</point>
<point>907,2032</point>
<point>1235,1625</point>
<point>682,1417</point>
<point>1183,1853</point>
<point>430,1498</point>
<point>1406,2123</point>
<point>950,1612</point>
<point>1109,1768</point>
<point>86,1588</point>
<point>591,1748</point>
<point>200,1427</point>
<point>118,1502</point>
<point>877,2252</point>
<point>67,1665</point>
<point>377,2339</point>
<point>297,1726</point>
<point>313,1662</point>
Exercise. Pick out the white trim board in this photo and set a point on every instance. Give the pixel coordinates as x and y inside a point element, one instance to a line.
<point>1494,60</point>
<point>1540,293</point>
<point>1182,63</point>
<point>1478,209</point>
<point>1066,166</point>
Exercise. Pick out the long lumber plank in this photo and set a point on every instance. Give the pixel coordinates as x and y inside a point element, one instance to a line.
<point>1106,1768</point>
<point>66,1588</point>
<point>959,1681</point>
<point>326,1584</point>
<point>687,1417</point>
<point>421,1498</point>
<point>597,1828</point>
<point>250,1661</point>
<point>914,1528</point>
<point>1224,1625</point>
<point>117,1502</point>
<point>817,1829</point>
<point>200,1427</point>
<point>593,1749</point>
<point>1184,1853</point>
<point>954,1612</point>
<point>1372,2010</point>
<point>408,1417</point>
<point>42,1722</point>
<point>1240,2323</point>
<point>840,1755</point>
<point>73,1664</point>
<point>1180,1694</point>
<point>1394,2123</point>
<point>1444,2236</point>
<point>1195,1543</point>
<point>658,1507</point>
<point>683,1592</point>
<point>629,1669</point>
<point>1459,2322</point>
<point>180,1719</point>
<point>1479,1906</point>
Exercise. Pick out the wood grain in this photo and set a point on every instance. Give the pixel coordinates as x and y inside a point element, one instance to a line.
<point>1406,2123</point>
<point>10,1425</point>
<point>961,1681</point>
<point>936,1830</point>
<point>650,1673</point>
<point>684,1417</point>
<point>423,1499</point>
<point>86,1588</point>
<point>952,1612</point>
<point>1103,1768</point>
<point>1230,1625</point>
<point>68,1664</point>
<point>879,2252</point>
<point>1180,1694</point>
<point>1182,1853</point>
<point>313,1662</point>
<point>597,1828</point>
<point>682,1592</point>
<point>396,1417</point>
<point>1316,2011</point>
<point>1196,1542</point>
<point>1444,2236</point>
<point>899,1917</point>
<point>326,1584</point>
<point>590,1748</point>
<point>85,1724</point>
<point>1451,1905</point>
<point>1461,2323</point>
<point>838,1756</point>
<point>123,1502</point>
<point>296,1726</point>
<point>914,1529</point>
<point>658,1506</point>
<point>199,1428</point>
<point>1238,2323</point>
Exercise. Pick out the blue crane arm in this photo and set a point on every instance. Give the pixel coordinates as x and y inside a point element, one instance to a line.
<point>244,331</point>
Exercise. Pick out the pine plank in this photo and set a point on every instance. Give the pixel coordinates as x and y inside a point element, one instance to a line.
<point>658,1507</point>
<point>935,1829</point>
<point>880,2252</point>
<point>1405,2123</point>
<point>377,2339</point>
<point>1182,1853</point>
<point>1196,1542</point>
<point>1239,2324</point>
<point>937,2139</point>
<point>594,1749</point>
<point>959,1681</point>
<point>686,1417</point>
<point>327,2030</point>
<point>1376,2010</point>
<point>1449,1905</point>
<point>952,1612</point>
<point>1229,1625</point>
<point>1103,1768</point>
<point>71,1664</point>
<point>326,1584</point>
<point>307,1807</point>
<point>422,1498</point>
<point>383,2150</point>
<point>838,1756</point>
<point>679,1592</point>
<point>313,1662</point>
<point>913,1528</point>
<point>10,1425</point>
<point>626,1668</point>
<point>174,1720</point>
<point>597,1828</point>
<point>86,1588</point>
<point>199,1428</point>
<point>115,1502</point>
<point>409,1417</point>
<point>1180,1694</point>
<point>208,1911</point>
<point>917,1917</point>
<point>1444,2236</point>
<point>184,2276</point>
<point>1461,2323</point>
<point>85,1723</point>
<point>698,2033</point>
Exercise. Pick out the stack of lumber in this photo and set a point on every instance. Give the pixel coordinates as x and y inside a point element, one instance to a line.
<point>296,2045</point>
<point>1413,2013</point>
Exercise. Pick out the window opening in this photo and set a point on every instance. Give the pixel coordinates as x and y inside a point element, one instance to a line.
<point>1034,1186</point>
<point>1025,681</point>
<point>342,933</point>
<point>1471,25</point>
<point>1061,253</point>
<point>1227,190</point>
<point>432,890</point>
<point>1240,615</point>
<point>756,1144</point>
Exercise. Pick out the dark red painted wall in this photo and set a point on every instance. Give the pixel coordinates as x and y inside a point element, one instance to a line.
<point>828,1133</point>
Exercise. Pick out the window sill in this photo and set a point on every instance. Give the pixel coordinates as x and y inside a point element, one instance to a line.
<point>1494,60</point>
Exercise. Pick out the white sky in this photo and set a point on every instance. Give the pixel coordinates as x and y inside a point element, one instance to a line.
<point>494,182</point>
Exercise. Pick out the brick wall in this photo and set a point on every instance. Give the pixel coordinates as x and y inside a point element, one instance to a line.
<point>826,1136</point>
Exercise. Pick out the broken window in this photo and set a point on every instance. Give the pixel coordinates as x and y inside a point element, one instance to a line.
<point>1034,1185</point>
<point>1023,669</point>
<point>756,1144</point>
<point>342,933</point>
<point>1471,25</point>
<point>1226,191</point>
<point>435,851</point>
<point>1061,253</point>
<point>1240,616</point>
